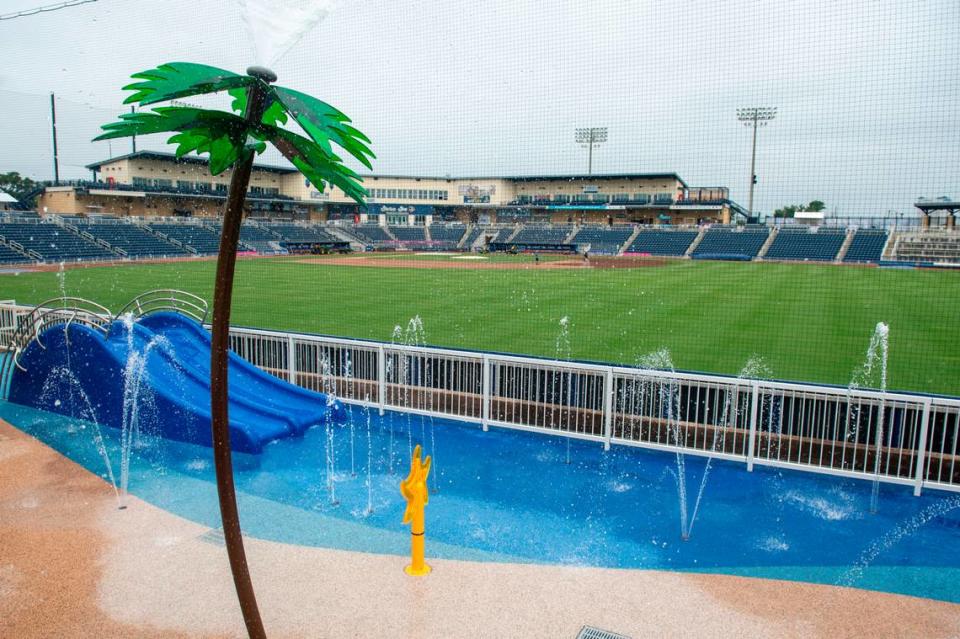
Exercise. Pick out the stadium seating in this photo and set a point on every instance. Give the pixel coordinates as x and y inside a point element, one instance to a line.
<point>731,244</point>
<point>10,256</point>
<point>104,237</point>
<point>603,240</point>
<point>449,234</point>
<point>498,235</point>
<point>132,239</point>
<point>297,233</point>
<point>541,235</point>
<point>662,242</point>
<point>866,246</point>
<point>802,245</point>
<point>928,246</point>
<point>203,240</point>
<point>409,233</point>
<point>53,243</point>
<point>372,233</point>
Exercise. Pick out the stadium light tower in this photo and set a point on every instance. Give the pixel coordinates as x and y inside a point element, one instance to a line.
<point>588,138</point>
<point>755,117</point>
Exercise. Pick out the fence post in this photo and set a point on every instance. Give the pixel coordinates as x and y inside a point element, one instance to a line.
<point>381,378</point>
<point>485,394</point>
<point>607,409</point>
<point>291,360</point>
<point>921,471</point>
<point>752,437</point>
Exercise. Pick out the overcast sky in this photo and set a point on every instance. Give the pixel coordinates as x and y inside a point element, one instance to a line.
<point>867,90</point>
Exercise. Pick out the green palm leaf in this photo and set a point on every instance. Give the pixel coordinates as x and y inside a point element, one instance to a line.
<point>220,134</point>
<point>315,163</point>
<point>273,114</point>
<point>324,124</point>
<point>228,137</point>
<point>181,79</point>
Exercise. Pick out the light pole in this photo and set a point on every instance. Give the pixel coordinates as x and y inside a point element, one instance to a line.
<point>755,117</point>
<point>588,138</point>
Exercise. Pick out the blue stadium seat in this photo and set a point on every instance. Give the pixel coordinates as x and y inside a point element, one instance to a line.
<point>603,240</point>
<point>729,244</point>
<point>866,246</point>
<point>372,233</point>
<point>447,235</point>
<point>54,243</point>
<point>409,233</point>
<point>10,256</point>
<point>541,235</point>
<point>802,245</point>
<point>662,242</point>
<point>136,241</point>
<point>203,240</point>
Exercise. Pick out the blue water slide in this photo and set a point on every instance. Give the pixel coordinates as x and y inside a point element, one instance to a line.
<point>77,370</point>
<point>191,343</point>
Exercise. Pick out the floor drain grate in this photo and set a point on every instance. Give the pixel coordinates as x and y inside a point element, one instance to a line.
<point>589,632</point>
<point>213,536</point>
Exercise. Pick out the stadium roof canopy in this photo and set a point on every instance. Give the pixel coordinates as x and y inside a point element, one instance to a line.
<point>195,159</point>
<point>6,198</point>
<point>598,176</point>
<point>938,204</point>
<point>186,159</point>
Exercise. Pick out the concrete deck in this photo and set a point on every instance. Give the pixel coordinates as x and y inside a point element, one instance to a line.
<point>72,565</point>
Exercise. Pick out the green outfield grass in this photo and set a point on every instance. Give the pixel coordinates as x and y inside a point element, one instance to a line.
<point>809,322</point>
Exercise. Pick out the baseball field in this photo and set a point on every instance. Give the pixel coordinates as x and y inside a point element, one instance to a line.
<point>808,322</point>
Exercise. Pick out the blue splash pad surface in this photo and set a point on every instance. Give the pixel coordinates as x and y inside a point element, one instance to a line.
<point>509,496</point>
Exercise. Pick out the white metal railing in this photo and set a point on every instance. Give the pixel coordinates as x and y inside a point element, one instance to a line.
<point>867,434</point>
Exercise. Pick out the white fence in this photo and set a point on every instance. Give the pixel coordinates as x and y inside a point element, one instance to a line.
<point>893,437</point>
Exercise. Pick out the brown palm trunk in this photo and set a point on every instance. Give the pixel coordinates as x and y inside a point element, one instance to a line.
<point>220,419</point>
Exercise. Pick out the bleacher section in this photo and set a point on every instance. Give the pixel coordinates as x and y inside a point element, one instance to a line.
<point>104,237</point>
<point>372,233</point>
<point>54,243</point>
<point>201,239</point>
<point>257,238</point>
<point>929,246</point>
<point>729,244</point>
<point>298,233</point>
<point>802,245</point>
<point>10,256</point>
<point>409,233</point>
<point>659,242</point>
<point>447,235</point>
<point>603,240</point>
<point>134,240</point>
<point>497,235</point>
<point>866,246</point>
<point>540,235</point>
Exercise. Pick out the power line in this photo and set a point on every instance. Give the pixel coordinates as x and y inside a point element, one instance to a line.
<point>44,9</point>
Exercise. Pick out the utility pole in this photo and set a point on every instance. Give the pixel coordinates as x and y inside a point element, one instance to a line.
<point>755,117</point>
<point>133,138</point>
<point>56,158</point>
<point>589,137</point>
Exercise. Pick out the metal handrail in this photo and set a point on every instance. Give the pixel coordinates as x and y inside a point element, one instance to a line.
<point>166,299</point>
<point>59,310</point>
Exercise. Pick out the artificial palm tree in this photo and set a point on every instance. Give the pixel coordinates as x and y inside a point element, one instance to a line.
<point>232,140</point>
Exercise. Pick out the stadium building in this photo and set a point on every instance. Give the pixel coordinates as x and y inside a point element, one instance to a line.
<point>150,183</point>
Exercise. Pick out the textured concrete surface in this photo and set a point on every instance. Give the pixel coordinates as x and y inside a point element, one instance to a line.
<point>72,565</point>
